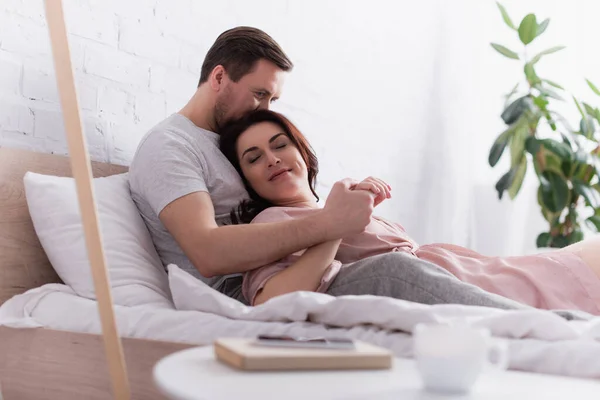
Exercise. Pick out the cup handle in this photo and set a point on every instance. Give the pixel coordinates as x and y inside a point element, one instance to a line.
<point>498,349</point>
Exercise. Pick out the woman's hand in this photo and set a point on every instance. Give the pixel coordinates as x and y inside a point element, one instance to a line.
<point>379,188</point>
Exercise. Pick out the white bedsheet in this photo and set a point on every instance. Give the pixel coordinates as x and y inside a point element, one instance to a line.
<point>539,341</point>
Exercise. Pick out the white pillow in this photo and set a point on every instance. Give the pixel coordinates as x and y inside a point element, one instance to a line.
<point>191,294</point>
<point>137,275</point>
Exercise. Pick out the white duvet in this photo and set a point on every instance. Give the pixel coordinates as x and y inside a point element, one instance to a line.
<point>539,341</point>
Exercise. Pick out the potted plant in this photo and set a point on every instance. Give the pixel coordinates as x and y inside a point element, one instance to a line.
<point>565,160</point>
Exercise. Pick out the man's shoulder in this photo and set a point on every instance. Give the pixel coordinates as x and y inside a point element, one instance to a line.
<point>171,139</point>
<point>165,147</point>
<point>165,134</point>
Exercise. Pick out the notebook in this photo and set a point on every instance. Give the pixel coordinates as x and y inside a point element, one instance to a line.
<point>245,354</point>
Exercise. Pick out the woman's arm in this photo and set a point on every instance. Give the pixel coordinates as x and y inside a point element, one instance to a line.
<point>304,274</point>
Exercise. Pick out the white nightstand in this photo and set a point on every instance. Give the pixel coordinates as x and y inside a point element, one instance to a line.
<point>195,374</point>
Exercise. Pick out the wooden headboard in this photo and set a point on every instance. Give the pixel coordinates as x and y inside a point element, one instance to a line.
<point>23,263</point>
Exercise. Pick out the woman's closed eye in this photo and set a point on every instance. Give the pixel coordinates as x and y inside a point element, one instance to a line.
<point>253,159</point>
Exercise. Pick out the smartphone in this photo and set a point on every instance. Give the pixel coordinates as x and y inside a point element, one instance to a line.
<point>304,342</point>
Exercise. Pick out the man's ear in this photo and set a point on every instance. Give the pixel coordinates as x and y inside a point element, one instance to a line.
<point>217,78</point>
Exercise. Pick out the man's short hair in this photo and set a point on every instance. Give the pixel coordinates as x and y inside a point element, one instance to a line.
<point>238,50</point>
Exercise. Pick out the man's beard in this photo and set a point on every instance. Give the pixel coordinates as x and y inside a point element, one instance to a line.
<point>221,110</point>
<point>220,113</point>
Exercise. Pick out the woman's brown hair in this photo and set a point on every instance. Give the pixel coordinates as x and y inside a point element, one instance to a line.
<point>229,134</point>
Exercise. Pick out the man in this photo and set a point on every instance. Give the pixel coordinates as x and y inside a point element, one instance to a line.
<point>185,189</point>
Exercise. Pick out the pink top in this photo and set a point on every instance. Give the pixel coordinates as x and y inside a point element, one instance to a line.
<point>554,280</point>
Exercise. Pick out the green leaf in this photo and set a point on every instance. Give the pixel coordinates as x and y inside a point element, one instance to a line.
<point>542,27</point>
<point>549,216</point>
<point>597,115</point>
<point>593,223</point>
<point>567,141</point>
<point>579,107</point>
<point>505,51</point>
<point>586,126</point>
<point>555,191</point>
<point>541,102</point>
<point>581,157</point>
<point>499,146</point>
<point>560,241</point>
<point>595,162</point>
<point>532,145</point>
<point>514,188</point>
<point>556,85</point>
<point>505,181</point>
<point>593,113</point>
<point>510,94</point>
<point>528,29</point>
<point>575,236</point>
<point>560,149</point>
<point>531,75</point>
<point>505,16</point>
<point>514,111</point>
<point>580,172</point>
<point>589,109</point>
<point>539,56</point>
<point>553,163</point>
<point>593,87</point>
<point>566,168</point>
<point>517,144</point>
<point>543,240</point>
<point>591,196</point>
<point>551,93</point>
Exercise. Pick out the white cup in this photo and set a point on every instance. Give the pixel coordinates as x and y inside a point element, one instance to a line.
<point>450,358</point>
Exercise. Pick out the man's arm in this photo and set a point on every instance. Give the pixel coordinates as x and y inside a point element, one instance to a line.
<point>238,248</point>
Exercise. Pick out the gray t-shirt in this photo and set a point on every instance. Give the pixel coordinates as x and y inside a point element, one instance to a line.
<point>174,159</point>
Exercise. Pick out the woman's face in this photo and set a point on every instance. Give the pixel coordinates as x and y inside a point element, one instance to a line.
<point>273,166</point>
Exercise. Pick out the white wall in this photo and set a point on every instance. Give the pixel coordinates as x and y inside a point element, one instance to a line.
<point>406,90</point>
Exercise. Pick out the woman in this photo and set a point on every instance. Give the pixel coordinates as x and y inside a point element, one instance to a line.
<point>279,170</point>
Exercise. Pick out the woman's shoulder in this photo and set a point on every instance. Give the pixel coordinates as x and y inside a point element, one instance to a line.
<point>274,214</point>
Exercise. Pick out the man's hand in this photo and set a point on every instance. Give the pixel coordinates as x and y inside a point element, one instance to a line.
<point>379,188</point>
<point>347,211</point>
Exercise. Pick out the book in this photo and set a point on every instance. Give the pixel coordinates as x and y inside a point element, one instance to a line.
<point>247,354</point>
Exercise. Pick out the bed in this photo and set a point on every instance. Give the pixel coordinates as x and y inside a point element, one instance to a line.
<point>47,363</point>
<point>33,296</point>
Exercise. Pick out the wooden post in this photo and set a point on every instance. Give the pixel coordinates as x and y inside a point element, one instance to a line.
<point>82,172</point>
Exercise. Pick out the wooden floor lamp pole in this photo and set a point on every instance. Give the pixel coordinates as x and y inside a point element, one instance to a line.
<point>82,172</point>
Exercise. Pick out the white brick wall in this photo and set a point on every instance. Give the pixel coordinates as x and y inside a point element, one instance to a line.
<point>93,23</point>
<point>137,61</point>
<point>110,63</point>
<point>16,118</point>
<point>10,78</point>
<point>39,82</point>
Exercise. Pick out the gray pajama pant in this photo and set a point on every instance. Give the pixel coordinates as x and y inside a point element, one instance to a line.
<point>403,276</point>
<point>406,277</point>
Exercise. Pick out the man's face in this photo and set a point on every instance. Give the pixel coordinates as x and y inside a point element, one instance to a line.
<point>255,90</point>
